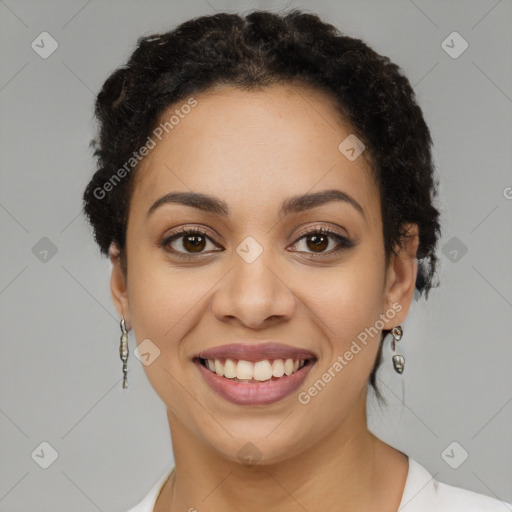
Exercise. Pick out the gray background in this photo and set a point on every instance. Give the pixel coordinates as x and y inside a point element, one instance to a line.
<point>60,368</point>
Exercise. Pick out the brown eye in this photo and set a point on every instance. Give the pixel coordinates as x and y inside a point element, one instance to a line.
<point>317,242</point>
<point>194,243</point>
<point>188,242</point>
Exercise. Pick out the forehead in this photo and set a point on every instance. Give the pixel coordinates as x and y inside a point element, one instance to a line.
<point>246,146</point>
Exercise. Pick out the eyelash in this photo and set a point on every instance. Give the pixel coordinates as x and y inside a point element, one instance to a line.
<point>342,241</point>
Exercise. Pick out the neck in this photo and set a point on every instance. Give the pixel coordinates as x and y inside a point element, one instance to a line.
<point>342,471</point>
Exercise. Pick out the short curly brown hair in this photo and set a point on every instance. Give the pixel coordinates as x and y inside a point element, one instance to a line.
<point>253,51</point>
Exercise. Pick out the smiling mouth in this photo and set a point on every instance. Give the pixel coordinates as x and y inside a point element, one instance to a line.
<point>240,370</point>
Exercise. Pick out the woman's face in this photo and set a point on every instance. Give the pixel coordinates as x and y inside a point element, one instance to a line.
<point>256,278</point>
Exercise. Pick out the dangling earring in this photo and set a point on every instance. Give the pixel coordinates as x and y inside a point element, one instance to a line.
<point>398,359</point>
<point>123,352</point>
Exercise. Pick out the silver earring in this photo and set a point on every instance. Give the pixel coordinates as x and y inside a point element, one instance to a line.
<point>123,352</point>
<point>398,359</point>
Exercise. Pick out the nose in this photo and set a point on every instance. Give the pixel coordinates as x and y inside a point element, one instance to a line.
<point>254,294</point>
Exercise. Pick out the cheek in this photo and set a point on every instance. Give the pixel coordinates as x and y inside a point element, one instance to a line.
<point>348,302</point>
<point>166,304</point>
<point>347,299</point>
<point>347,314</point>
<point>161,313</point>
<point>160,295</point>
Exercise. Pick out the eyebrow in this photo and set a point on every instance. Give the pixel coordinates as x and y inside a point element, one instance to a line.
<point>294,204</point>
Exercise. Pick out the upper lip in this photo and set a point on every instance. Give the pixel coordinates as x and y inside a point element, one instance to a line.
<point>270,350</point>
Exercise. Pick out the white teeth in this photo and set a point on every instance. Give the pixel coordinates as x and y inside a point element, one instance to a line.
<point>244,369</point>
<point>219,370</point>
<point>278,368</point>
<point>260,370</point>
<point>230,369</point>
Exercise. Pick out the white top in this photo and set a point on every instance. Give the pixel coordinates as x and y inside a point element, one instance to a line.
<point>421,494</point>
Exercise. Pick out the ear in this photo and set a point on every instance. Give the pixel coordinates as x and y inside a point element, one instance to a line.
<point>401,275</point>
<point>118,285</point>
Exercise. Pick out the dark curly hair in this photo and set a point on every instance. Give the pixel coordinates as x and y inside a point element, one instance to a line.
<point>253,51</point>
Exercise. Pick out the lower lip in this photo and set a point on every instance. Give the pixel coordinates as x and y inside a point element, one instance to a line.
<point>254,393</point>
